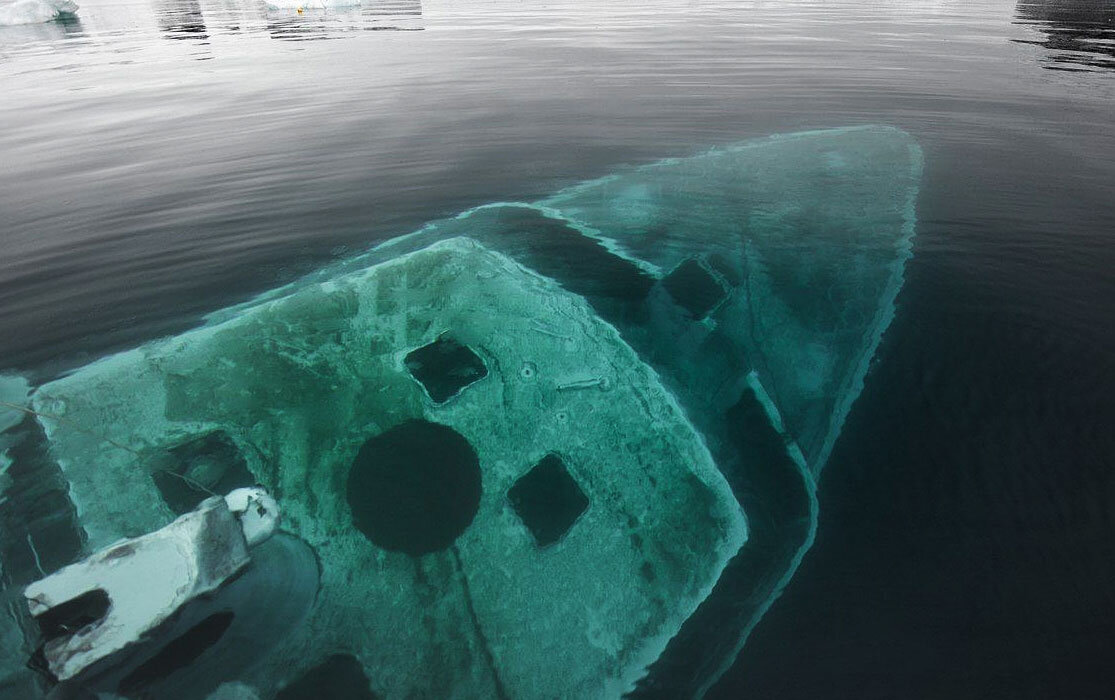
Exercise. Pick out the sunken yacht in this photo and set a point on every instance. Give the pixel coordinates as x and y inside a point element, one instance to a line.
<point>563,448</point>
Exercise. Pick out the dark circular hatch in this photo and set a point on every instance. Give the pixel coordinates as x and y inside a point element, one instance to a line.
<point>414,488</point>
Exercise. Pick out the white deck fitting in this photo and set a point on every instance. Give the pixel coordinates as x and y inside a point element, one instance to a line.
<point>147,579</point>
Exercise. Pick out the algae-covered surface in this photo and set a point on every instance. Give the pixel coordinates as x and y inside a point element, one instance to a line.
<point>539,449</point>
<point>302,383</point>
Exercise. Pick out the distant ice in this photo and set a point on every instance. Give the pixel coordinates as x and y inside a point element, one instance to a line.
<point>310,4</point>
<point>34,11</point>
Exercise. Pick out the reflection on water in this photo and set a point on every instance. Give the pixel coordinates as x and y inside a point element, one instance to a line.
<point>181,19</point>
<point>199,23</point>
<point>1080,34</point>
<point>337,23</point>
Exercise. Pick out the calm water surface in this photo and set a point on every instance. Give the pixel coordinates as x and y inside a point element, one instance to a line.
<point>161,159</point>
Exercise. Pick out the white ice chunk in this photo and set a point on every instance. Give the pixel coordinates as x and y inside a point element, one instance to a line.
<point>34,11</point>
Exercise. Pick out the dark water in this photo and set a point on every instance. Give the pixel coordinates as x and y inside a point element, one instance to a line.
<point>160,160</point>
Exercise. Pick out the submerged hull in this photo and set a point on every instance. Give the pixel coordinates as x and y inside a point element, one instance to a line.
<point>631,365</point>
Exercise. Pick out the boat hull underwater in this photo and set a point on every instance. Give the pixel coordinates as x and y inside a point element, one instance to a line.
<point>565,448</point>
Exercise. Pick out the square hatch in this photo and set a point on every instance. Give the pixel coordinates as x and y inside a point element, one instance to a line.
<point>445,367</point>
<point>548,500</point>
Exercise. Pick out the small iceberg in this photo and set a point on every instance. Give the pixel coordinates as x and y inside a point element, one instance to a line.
<point>35,11</point>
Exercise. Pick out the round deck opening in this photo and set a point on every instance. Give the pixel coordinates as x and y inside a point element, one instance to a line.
<point>415,488</point>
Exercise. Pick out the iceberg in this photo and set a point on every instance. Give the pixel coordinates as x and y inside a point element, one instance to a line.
<point>35,11</point>
<point>564,448</point>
